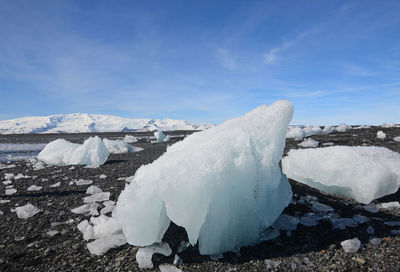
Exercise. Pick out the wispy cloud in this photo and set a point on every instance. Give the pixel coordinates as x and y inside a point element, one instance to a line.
<point>226,59</point>
<point>272,55</point>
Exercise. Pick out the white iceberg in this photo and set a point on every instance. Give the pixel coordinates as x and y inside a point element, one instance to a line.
<point>295,133</point>
<point>228,178</point>
<point>160,137</point>
<point>381,135</point>
<point>130,139</point>
<point>120,147</point>
<point>342,128</point>
<point>327,130</point>
<point>359,172</point>
<point>92,152</point>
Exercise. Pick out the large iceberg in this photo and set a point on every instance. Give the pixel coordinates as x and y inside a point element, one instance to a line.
<point>359,172</point>
<point>223,185</point>
<point>92,152</point>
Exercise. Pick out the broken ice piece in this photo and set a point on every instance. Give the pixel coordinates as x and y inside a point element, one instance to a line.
<point>390,205</point>
<point>93,189</point>
<point>102,245</point>
<point>55,185</point>
<point>51,233</point>
<point>144,254</point>
<point>168,268</point>
<point>34,188</point>
<point>319,207</point>
<point>26,211</point>
<point>10,191</point>
<point>82,182</point>
<point>351,245</point>
<point>98,197</point>
<point>86,229</point>
<point>87,208</point>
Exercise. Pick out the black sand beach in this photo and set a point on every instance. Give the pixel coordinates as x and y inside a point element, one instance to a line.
<point>25,246</point>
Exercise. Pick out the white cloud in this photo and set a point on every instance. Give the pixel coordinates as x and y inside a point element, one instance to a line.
<point>270,57</point>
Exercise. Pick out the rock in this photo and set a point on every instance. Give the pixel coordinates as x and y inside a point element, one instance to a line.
<point>351,245</point>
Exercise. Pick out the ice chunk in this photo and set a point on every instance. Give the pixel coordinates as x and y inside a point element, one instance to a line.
<point>26,211</point>
<point>21,176</point>
<point>109,206</point>
<point>86,229</point>
<point>310,220</point>
<point>309,143</point>
<point>396,139</point>
<point>97,197</point>
<point>130,139</point>
<point>286,222</point>
<point>327,130</point>
<point>102,176</point>
<point>310,131</point>
<point>295,133</point>
<point>10,191</point>
<point>351,245</point>
<point>160,137</point>
<point>371,208</point>
<point>93,189</point>
<point>390,205</point>
<point>227,176</point>
<point>363,173</point>
<point>375,241</point>
<point>342,128</point>
<point>370,230</point>
<point>38,166</point>
<point>271,264</point>
<point>92,152</point>
<point>168,268</point>
<point>319,207</point>
<point>2,201</point>
<point>328,144</point>
<point>144,254</point>
<point>7,182</point>
<point>183,246</point>
<point>119,147</point>
<point>85,209</point>
<point>34,188</point>
<point>52,233</point>
<point>9,176</point>
<point>82,182</point>
<point>381,135</point>
<point>102,245</point>
<point>57,184</point>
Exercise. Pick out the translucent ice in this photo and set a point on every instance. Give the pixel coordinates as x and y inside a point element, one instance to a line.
<point>97,197</point>
<point>86,229</point>
<point>87,208</point>
<point>390,205</point>
<point>228,178</point>
<point>396,139</point>
<point>119,147</point>
<point>93,189</point>
<point>342,128</point>
<point>361,173</point>
<point>92,152</point>
<point>26,211</point>
<point>168,268</point>
<point>351,245</point>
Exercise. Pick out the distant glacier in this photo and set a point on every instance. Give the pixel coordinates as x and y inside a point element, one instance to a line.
<point>82,122</point>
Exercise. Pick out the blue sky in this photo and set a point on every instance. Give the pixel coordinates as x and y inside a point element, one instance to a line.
<point>336,61</point>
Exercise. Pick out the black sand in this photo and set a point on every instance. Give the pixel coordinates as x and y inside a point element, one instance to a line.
<point>307,249</point>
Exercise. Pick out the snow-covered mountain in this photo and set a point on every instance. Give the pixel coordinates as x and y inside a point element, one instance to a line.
<point>82,122</point>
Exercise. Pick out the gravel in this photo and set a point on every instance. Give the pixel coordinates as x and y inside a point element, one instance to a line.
<point>313,248</point>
